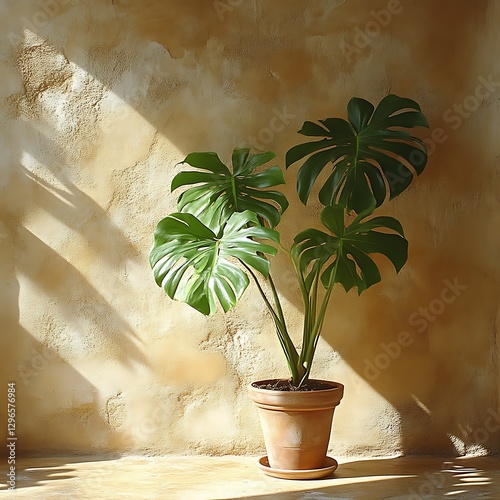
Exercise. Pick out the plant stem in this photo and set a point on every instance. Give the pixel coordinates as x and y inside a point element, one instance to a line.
<point>310,348</point>
<point>277,302</point>
<point>286,342</point>
<point>235,198</point>
<point>307,319</point>
<point>310,307</point>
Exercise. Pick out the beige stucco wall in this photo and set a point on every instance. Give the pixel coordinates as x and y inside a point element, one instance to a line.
<point>100,99</point>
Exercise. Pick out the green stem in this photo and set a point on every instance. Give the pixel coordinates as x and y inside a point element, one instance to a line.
<point>318,324</point>
<point>216,256</point>
<point>285,340</point>
<point>310,309</point>
<point>277,302</point>
<point>235,198</point>
<point>307,314</point>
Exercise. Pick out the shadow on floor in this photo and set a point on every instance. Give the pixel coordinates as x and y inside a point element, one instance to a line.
<point>38,471</point>
<point>400,478</point>
<point>224,478</point>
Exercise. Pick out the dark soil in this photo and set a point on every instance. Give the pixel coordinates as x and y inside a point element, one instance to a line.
<point>286,385</point>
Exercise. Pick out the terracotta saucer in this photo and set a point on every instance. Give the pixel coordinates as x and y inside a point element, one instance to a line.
<point>330,466</point>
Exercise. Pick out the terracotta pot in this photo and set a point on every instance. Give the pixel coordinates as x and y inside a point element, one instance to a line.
<point>296,424</point>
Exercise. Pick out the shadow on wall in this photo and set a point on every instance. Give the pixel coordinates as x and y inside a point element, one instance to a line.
<point>92,315</point>
<point>41,373</point>
<point>71,408</point>
<point>77,317</point>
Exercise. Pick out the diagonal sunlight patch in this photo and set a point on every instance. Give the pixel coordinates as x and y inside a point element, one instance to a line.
<point>44,178</point>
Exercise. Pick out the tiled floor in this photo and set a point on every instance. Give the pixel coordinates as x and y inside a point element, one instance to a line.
<point>210,478</point>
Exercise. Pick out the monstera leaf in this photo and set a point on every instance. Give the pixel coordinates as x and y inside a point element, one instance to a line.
<point>219,191</point>
<point>192,263</point>
<point>367,152</point>
<point>345,252</point>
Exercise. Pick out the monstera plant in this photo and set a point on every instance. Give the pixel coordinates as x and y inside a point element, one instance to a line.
<point>224,231</point>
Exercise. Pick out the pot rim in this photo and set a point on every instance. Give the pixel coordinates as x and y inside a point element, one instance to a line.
<point>335,386</point>
<point>321,399</point>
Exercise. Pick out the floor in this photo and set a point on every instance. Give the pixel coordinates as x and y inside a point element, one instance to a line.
<point>211,478</point>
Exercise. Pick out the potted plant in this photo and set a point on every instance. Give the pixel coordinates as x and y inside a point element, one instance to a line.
<point>224,231</point>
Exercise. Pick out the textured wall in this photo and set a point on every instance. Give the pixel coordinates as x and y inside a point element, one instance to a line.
<point>100,99</point>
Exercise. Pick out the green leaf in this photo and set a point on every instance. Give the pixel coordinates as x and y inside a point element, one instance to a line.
<point>359,113</point>
<point>251,162</point>
<point>217,192</point>
<point>344,253</point>
<point>206,161</point>
<point>365,152</point>
<point>195,265</point>
<point>310,128</point>
<point>239,157</point>
<point>184,178</point>
<point>332,218</point>
<point>300,150</point>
